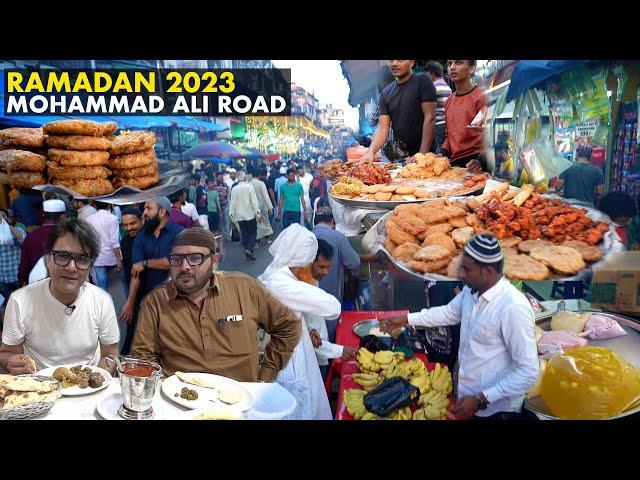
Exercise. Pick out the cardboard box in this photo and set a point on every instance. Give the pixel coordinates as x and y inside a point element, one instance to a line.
<point>616,284</point>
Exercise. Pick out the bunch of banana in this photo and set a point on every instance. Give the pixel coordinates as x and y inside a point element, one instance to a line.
<point>419,415</point>
<point>354,401</point>
<point>433,413</point>
<point>399,356</point>
<point>399,370</point>
<point>366,361</point>
<point>401,414</point>
<point>370,416</point>
<point>384,358</point>
<point>368,381</point>
<point>434,399</point>
<point>441,380</point>
<point>416,366</point>
<point>422,381</point>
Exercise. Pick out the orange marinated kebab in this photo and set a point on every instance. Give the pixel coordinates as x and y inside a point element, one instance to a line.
<point>540,218</point>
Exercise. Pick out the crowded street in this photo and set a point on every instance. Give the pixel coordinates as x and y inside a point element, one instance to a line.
<point>454,240</point>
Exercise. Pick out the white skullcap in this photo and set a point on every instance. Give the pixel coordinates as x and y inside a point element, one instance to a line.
<point>54,206</point>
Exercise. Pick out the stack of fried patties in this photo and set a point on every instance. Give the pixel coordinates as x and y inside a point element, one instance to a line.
<point>22,160</point>
<point>78,152</point>
<point>133,160</point>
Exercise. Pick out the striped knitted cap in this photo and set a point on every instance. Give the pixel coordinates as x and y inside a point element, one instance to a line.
<point>484,248</point>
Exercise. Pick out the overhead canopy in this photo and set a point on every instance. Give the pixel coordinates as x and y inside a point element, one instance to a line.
<point>213,149</point>
<point>193,124</point>
<point>529,73</point>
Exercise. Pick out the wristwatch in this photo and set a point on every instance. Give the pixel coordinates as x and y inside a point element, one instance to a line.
<point>145,263</point>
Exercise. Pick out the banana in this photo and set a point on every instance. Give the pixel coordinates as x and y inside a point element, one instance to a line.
<point>399,356</point>
<point>384,357</point>
<point>369,416</point>
<point>419,415</point>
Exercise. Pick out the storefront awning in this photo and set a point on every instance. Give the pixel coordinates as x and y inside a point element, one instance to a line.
<point>529,73</point>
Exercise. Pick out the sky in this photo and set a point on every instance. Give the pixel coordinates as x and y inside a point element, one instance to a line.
<point>323,78</point>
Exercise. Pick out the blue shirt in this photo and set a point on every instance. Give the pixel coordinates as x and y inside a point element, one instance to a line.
<point>10,259</point>
<point>280,181</point>
<point>146,246</point>
<point>26,209</point>
<point>344,256</point>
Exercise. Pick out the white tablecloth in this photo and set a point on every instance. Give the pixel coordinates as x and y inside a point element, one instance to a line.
<point>84,407</point>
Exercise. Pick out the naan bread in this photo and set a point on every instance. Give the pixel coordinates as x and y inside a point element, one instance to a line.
<point>230,396</point>
<point>28,384</point>
<point>19,399</point>
<point>219,415</point>
<point>194,379</point>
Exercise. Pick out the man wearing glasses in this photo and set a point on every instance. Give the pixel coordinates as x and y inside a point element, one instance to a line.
<point>62,319</point>
<point>207,321</point>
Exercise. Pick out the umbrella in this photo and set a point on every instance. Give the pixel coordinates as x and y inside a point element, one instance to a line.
<point>257,152</point>
<point>213,149</point>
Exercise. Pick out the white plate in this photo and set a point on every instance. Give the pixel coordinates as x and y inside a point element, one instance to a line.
<point>76,390</point>
<point>109,405</point>
<point>191,414</point>
<point>207,397</point>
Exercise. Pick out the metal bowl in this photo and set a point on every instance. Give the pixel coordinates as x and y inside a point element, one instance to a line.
<point>32,410</point>
<point>363,327</point>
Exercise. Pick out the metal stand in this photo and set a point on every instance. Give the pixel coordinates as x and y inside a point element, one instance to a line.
<point>127,414</point>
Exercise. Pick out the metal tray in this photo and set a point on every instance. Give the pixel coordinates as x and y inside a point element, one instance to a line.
<point>362,328</point>
<point>377,236</point>
<point>32,410</point>
<point>169,183</point>
<point>628,347</point>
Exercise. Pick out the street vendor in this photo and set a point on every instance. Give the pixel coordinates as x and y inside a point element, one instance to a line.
<point>61,320</point>
<point>408,108</point>
<point>290,279</point>
<point>464,143</point>
<point>207,321</point>
<point>498,357</point>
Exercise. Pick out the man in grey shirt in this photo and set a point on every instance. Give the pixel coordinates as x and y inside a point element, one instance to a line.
<point>344,256</point>
<point>582,181</point>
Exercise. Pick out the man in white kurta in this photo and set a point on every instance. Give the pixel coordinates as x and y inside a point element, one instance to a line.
<point>266,207</point>
<point>297,247</point>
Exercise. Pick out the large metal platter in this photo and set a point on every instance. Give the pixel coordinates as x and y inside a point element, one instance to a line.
<point>169,183</point>
<point>628,347</point>
<point>376,236</point>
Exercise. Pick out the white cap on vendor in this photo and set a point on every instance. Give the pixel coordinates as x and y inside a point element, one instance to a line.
<point>484,248</point>
<point>53,206</point>
<point>232,170</point>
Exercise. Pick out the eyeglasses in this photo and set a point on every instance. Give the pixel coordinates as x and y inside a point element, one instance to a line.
<point>62,258</point>
<point>193,259</point>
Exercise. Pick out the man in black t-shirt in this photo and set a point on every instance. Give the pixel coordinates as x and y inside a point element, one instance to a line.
<point>408,107</point>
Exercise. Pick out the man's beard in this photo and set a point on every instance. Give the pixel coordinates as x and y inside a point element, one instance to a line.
<point>198,286</point>
<point>151,224</point>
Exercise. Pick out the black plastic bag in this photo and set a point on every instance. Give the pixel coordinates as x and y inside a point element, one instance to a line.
<point>390,395</point>
<point>409,340</point>
<point>375,344</point>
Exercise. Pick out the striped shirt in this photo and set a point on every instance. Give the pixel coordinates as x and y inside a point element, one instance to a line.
<point>443,92</point>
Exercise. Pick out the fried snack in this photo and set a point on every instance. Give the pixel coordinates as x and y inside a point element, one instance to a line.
<point>590,253</point>
<point>389,188</point>
<point>22,137</point>
<point>76,173</point>
<point>438,227</point>
<point>143,171</point>
<point>421,236</point>
<point>78,142</point>
<point>410,223</point>
<point>523,195</point>
<point>408,208</point>
<point>458,222</point>
<point>454,267</point>
<point>506,251</point>
<point>390,245</point>
<point>432,253</point>
<point>432,214</point>
<point>420,193</point>
<point>345,187</point>
<point>372,188</point>
<point>79,127</point>
<point>14,160</point>
<point>527,245</point>
<point>428,267</point>
<point>473,220</point>
<point>132,142</point>
<point>140,182</point>
<point>397,198</point>
<point>473,203</point>
<point>408,198</point>
<point>511,242</point>
<point>399,236</point>
<point>564,260</point>
<point>89,188</point>
<point>442,239</point>
<point>440,165</point>
<point>78,158</point>
<point>383,196</point>
<point>405,252</point>
<point>462,235</point>
<point>523,267</point>
<point>26,179</point>
<point>405,190</point>
<point>454,211</point>
<point>140,159</point>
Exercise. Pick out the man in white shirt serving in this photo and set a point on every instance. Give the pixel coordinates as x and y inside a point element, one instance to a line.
<point>498,357</point>
<point>61,320</point>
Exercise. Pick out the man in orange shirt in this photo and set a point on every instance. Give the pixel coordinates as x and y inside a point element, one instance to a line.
<point>464,145</point>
